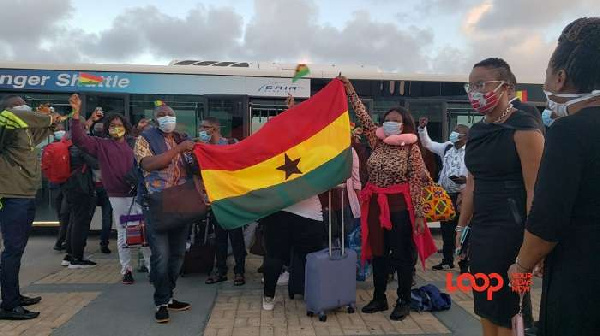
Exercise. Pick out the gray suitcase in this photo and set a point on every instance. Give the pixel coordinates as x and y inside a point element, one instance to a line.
<point>330,279</point>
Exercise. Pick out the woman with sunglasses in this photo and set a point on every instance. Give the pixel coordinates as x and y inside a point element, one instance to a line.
<point>503,156</point>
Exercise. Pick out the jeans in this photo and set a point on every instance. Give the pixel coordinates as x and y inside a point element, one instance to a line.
<point>121,206</point>
<point>107,215</point>
<point>16,220</point>
<point>400,253</point>
<point>449,235</point>
<point>168,250</point>
<point>81,206</point>
<point>236,236</point>
<point>284,231</point>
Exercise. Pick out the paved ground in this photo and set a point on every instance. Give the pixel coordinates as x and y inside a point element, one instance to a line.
<point>94,302</point>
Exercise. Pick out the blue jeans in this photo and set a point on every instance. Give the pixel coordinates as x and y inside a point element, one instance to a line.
<point>16,219</point>
<point>168,250</point>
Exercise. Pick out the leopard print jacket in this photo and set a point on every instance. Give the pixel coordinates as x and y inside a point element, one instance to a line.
<point>390,165</point>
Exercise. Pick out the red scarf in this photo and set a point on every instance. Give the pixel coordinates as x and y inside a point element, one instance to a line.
<point>423,242</point>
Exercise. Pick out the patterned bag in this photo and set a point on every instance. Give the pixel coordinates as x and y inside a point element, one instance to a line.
<point>135,230</point>
<point>438,206</point>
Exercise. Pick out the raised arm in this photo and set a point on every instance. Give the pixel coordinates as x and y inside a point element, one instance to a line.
<point>363,116</point>
<point>89,143</point>
<point>433,146</point>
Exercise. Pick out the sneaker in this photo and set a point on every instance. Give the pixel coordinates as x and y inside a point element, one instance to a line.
<point>284,278</point>
<point>162,315</point>
<point>81,263</point>
<point>17,313</point>
<point>239,280</point>
<point>179,306</point>
<point>443,266</point>
<point>268,303</point>
<point>375,306</point>
<point>104,249</point>
<point>66,261</point>
<point>29,301</point>
<point>401,311</point>
<point>128,278</point>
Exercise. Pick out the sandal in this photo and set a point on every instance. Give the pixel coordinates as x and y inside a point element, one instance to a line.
<point>239,280</point>
<point>215,279</point>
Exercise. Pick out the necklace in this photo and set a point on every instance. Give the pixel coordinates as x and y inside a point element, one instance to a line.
<point>504,114</point>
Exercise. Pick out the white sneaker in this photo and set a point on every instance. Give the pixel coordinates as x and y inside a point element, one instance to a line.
<point>268,303</point>
<point>284,278</point>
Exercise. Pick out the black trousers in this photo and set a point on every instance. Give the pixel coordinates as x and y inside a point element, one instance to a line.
<point>284,231</point>
<point>400,253</point>
<point>449,235</point>
<point>60,206</point>
<point>223,236</point>
<point>82,210</point>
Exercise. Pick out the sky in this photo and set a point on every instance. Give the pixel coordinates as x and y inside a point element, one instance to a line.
<point>405,36</point>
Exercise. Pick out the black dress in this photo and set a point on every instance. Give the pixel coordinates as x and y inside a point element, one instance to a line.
<point>499,210</point>
<point>566,210</point>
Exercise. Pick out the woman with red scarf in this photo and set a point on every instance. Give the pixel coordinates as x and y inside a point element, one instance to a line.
<point>392,216</point>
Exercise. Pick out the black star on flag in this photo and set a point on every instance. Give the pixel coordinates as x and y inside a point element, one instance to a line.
<point>290,167</point>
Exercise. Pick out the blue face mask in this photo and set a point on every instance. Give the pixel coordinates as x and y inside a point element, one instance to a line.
<point>547,118</point>
<point>59,135</point>
<point>392,128</point>
<point>454,137</point>
<point>204,136</point>
<point>167,124</point>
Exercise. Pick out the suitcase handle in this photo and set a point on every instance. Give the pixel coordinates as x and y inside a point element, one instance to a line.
<point>333,256</point>
<point>342,187</point>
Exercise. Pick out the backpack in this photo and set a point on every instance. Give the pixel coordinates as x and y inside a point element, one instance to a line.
<point>429,298</point>
<point>56,161</point>
<point>439,161</point>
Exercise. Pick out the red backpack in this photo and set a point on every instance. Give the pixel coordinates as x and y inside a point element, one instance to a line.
<point>56,161</point>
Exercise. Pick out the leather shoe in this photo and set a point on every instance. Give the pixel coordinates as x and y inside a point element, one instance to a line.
<point>401,311</point>
<point>17,313</point>
<point>29,301</point>
<point>376,305</point>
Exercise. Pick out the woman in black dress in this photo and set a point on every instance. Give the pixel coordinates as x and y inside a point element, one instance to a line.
<point>564,224</point>
<point>503,155</point>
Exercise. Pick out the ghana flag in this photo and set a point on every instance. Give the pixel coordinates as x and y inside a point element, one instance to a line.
<point>302,152</point>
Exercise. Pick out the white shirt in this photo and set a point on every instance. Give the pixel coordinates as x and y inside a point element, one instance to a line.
<point>309,208</point>
<point>453,159</point>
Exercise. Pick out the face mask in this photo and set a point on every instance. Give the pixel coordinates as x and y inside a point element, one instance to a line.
<point>485,102</point>
<point>454,137</point>
<point>204,136</point>
<point>116,132</point>
<point>561,109</point>
<point>547,117</point>
<point>59,135</point>
<point>392,128</point>
<point>22,108</point>
<point>167,124</point>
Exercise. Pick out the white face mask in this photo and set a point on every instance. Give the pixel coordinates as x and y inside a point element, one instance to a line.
<point>22,108</point>
<point>167,124</point>
<point>561,109</point>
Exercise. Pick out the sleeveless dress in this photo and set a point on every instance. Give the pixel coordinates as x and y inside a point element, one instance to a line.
<point>499,210</point>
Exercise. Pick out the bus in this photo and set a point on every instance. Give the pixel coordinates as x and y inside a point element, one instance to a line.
<point>243,96</point>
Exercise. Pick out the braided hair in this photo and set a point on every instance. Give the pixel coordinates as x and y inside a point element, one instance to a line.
<point>577,54</point>
<point>503,71</point>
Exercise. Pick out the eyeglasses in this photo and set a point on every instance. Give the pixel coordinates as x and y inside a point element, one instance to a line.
<point>478,86</point>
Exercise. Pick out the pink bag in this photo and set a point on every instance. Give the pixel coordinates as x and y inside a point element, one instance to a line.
<point>518,328</point>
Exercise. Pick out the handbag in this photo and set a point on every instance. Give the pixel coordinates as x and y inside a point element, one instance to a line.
<point>177,206</point>
<point>135,229</point>
<point>437,205</point>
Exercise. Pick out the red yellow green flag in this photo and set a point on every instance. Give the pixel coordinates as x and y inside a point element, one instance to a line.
<point>88,79</point>
<point>301,71</point>
<point>302,152</point>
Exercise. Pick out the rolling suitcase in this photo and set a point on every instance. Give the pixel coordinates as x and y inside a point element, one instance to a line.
<point>330,280</point>
<point>200,257</point>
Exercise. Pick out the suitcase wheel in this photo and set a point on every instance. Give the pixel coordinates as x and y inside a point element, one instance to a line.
<point>351,309</point>
<point>322,317</point>
<point>310,314</point>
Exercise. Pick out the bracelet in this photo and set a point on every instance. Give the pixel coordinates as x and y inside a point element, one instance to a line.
<point>459,228</point>
<point>521,266</point>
